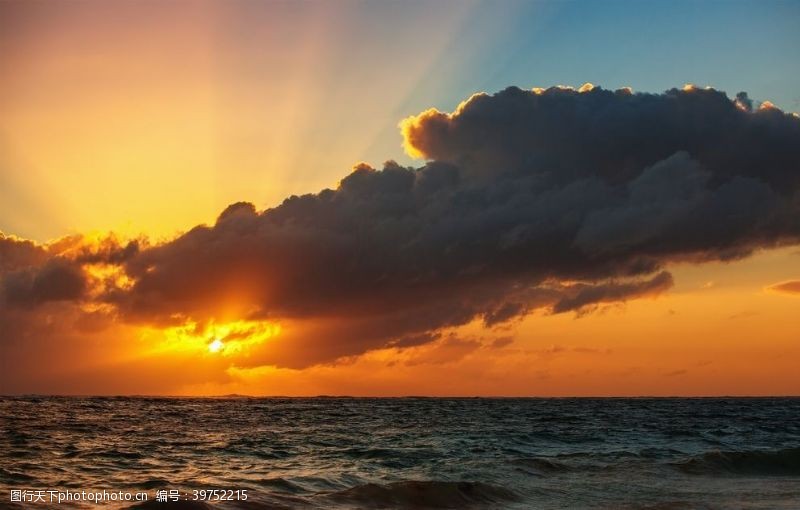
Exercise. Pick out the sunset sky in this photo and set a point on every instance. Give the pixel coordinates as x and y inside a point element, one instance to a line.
<point>469,215</point>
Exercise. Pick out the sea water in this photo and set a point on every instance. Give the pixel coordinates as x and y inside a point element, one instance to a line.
<point>620,453</point>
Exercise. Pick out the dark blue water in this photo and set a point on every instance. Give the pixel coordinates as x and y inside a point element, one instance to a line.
<point>409,452</point>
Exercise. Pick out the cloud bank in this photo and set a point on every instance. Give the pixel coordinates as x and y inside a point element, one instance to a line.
<point>557,200</point>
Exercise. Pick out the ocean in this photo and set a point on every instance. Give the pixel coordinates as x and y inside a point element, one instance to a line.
<point>571,453</point>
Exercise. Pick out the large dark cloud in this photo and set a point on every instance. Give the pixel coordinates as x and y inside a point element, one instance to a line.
<point>32,274</point>
<point>563,135</point>
<point>556,200</point>
<point>553,199</point>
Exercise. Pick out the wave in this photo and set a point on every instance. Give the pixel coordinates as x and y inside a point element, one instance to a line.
<point>371,453</point>
<point>751,462</point>
<point>107,454</point>
<point>667,505</point>
<point>154,483</point>
<point>541,466</point>
<point>280,484</point>
<point>424,494</point>
<point>14,476</point>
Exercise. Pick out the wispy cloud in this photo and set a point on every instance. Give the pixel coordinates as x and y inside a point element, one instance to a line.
<point>791,287</point>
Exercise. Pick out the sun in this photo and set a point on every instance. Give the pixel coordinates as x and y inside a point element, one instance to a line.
<point>216,345</point>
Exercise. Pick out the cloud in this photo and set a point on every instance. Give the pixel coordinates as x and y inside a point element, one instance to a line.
<point>787,287</point>
<point>562,135</point>
<point>499,343</point>
<point>18,253</point>
<point>32,274</point>
<point>555,200</point>
<point>585,295</point>
<point>57,280</point>
<point>447,350</point>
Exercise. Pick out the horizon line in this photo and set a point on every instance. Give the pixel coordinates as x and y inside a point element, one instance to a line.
<point>488,397</point>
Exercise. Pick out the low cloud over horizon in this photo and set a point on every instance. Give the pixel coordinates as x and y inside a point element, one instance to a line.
<point>554,200</point>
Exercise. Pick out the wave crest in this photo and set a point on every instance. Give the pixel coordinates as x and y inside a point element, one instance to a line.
<point>752,462</point>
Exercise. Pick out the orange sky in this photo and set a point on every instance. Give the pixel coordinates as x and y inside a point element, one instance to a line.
<point>146,125</point>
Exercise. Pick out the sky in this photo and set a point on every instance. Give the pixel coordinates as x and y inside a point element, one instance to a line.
<point>446,235</point>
